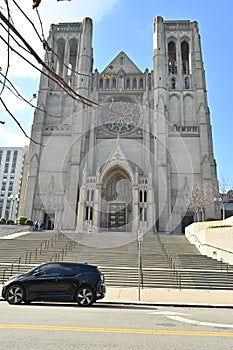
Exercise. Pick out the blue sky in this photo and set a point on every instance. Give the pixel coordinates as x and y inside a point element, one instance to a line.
<point>126,25</point>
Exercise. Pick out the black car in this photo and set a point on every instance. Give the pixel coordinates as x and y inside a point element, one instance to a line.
<point>56,281</point>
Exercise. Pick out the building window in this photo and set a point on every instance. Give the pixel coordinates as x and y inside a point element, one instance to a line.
<point>61,56</point>
<point>101,84</point>
<point>114,83</point>
<point>186,83</point>
<point>185,57</point>
<point>173,83</point>
<point>141,83</point>
<point>72,56</point>
<point>172,68</point>
<point>107,83</point>
<point>128,83</point>
<point>134,83</point>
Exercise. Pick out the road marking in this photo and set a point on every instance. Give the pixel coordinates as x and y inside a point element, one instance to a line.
<point>167,313</point>
<point>199,323</point>
<point>116,330</point>
<point>177,316</point>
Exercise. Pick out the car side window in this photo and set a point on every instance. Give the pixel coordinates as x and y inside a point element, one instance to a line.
<point>69,270</point>
<point>50,269</point>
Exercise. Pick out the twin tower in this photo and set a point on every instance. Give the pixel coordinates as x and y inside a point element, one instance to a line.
<point>120,150</point>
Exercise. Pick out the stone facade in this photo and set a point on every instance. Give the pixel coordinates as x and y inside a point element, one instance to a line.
<point>127,162</point>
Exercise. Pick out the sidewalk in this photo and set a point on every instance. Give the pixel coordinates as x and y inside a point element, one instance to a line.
<point>176,297</point>
<point>167,297</point>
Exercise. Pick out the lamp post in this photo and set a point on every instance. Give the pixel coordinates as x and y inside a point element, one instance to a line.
<point>221,201</point>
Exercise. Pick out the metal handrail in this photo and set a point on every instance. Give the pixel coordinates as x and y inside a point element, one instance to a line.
<point>27,257</point>
<point>59,256</point>
<point>215,247</point>
<point>171,263</point>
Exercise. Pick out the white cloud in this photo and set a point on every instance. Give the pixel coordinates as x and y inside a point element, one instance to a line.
<point>11,138</point>
<point>12,102</point>
<point>51,11</point>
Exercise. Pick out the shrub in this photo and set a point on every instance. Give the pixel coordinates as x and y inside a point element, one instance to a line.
<point>211,219</point>
<point>10,222</point>
<point>219,226</point>
<point>29,222</point>
<point>2,221</point>
<point>21,220</point>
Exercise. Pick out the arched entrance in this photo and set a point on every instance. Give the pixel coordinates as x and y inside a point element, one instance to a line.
<point>116,201</point>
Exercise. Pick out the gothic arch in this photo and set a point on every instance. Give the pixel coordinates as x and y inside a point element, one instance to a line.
<point>116,199</point>
<point>201,112</point>
<point>73,43</point>
<point>174,108</point>
<point>172,56</point>
<point>61,56</point>
<point>34,162</point>
<point>116,166</point>
<point>188,109</point>
<point>185,53</point>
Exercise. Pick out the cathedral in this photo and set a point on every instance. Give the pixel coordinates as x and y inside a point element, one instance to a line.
<point>123,156</point>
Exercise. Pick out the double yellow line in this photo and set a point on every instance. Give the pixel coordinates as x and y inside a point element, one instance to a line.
<point>116,330</point>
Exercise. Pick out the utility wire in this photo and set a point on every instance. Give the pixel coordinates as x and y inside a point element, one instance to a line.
<point>81,98</point>
<point>21,97</point>
<point>28,20</point>
<point>8,111</point>
<point>8,50</point>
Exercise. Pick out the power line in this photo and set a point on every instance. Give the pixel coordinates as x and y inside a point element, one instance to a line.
<point>15,119</point>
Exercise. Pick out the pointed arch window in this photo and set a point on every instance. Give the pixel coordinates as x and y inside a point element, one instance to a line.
<point>61,56</point>
<point>149,81</point>
<point>186,83</point>
<point>185,57</point>
<point>173,83</point>
<point>73,55</point>
<point>172,68</point>
<point>141,83</point>
<point>134,83</point>
<point>128,83</point>
<point>140,196</point>
<point>107,83</point>
<point>101,84</point>
<point>114,83</point>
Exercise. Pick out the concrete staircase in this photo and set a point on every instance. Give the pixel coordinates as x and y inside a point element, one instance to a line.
<point>167,261</point>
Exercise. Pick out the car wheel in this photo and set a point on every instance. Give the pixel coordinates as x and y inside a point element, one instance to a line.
<point>15,294</point>
<point>85,296</point>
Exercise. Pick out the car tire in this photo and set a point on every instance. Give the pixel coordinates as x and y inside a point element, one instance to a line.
<point>15,294</point>
<point>85,296</point>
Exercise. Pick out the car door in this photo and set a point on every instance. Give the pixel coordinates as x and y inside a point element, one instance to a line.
<point>69,281</point>
<point>44,282</point>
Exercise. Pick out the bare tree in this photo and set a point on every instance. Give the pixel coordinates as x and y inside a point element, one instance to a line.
<point>226,189</point>
<point>201,197</point>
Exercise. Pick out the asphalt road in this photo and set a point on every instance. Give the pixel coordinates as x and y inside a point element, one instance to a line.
<point>103,326</point>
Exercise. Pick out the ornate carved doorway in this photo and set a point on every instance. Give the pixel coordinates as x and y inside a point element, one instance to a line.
<point>116,193</point>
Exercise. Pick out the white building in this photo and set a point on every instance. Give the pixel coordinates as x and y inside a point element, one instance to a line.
<point>12,161</point>
<point>128,162</point>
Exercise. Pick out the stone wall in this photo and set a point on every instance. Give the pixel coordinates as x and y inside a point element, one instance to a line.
<point>213,239</point>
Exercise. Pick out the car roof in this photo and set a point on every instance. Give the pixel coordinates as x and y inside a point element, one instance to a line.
<point>69,263</point>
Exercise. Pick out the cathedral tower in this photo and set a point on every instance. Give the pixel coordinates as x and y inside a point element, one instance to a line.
<point>183,138</point>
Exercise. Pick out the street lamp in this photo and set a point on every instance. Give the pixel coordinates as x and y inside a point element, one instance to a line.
<point>221,201</point>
